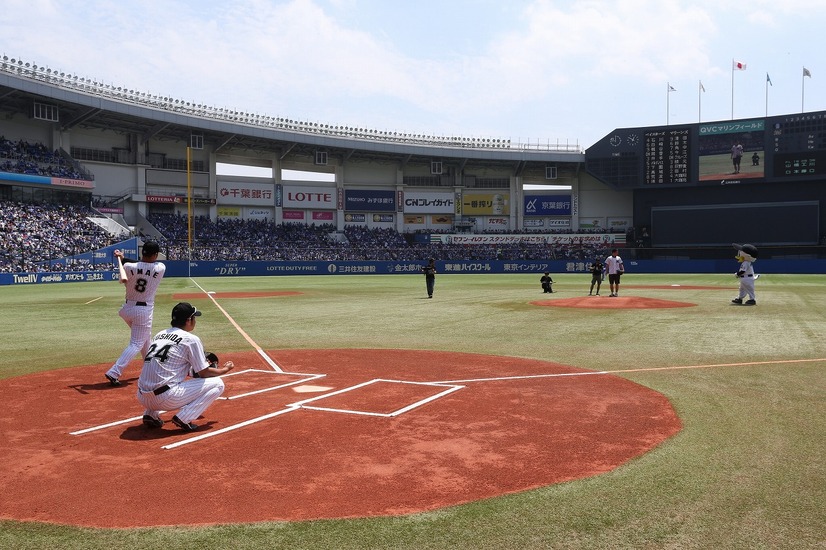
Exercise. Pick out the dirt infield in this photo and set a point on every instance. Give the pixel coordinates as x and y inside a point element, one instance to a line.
<point>606,302</point>
<point>382,432</point>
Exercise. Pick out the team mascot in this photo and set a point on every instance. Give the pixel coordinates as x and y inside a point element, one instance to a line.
<point>746,255</point>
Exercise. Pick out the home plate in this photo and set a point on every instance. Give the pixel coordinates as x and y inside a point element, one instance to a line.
<point>311,389</point>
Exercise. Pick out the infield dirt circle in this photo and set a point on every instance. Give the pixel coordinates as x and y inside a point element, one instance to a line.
<point>382,432</point>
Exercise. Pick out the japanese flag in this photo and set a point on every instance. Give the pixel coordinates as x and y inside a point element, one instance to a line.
<point>738,66</point>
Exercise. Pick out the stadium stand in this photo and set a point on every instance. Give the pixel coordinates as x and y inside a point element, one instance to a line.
<point>36,233</point>
<point>22,157</point>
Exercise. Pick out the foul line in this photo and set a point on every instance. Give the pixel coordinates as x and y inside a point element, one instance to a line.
<point>651,369</point>
<point>246,336</point>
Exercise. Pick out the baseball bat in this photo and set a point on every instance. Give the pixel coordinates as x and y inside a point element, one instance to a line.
<point>123,277</point>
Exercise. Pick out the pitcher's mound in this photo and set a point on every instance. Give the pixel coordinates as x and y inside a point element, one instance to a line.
<point>606,302</point>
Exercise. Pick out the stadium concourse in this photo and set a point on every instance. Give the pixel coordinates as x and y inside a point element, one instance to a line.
<point>37,233</point>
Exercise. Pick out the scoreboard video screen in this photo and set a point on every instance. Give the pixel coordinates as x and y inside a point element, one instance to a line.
<point>772,149</point>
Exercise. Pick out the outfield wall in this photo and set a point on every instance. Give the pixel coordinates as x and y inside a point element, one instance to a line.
<point>182,268</point>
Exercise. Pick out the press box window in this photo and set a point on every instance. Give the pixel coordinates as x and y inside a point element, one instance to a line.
<point>42,111</point>
<point>196,141</point>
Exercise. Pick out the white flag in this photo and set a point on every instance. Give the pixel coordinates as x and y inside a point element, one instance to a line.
<point>671,88</point>
<point>702,88</point>
<point>738,66</point>
<point>806,72</point>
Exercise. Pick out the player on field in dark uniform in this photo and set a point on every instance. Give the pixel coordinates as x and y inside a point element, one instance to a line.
<point>596,270</point>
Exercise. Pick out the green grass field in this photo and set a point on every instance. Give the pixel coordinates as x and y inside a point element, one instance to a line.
<point>747,471</point>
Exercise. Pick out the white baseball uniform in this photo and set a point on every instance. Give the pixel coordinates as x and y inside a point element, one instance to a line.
<point>746,275</point>
<point>613,264</point>
<point>143,279</point>
<point>163,384</point>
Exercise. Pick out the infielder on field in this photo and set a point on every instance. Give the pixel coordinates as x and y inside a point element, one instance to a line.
<point>164,384</point>
<point>142,280</point>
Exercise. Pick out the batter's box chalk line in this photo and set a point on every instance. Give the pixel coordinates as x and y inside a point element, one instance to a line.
<point>450,388</point>
<point>305,378</point>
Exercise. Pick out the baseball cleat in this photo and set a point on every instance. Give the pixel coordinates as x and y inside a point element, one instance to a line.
<point>112,380</point>
<point>750,303</point>
<point>737,301</point>
<point>152,422</point>
<point>190,427</point>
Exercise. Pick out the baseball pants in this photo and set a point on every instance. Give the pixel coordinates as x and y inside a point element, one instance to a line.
<point>747,288</point>
<point>190,398</point>
<point>139,320</point>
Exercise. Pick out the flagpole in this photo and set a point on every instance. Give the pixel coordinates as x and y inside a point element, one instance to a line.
<point>667,102</point>
<point>767,94</point>
<point>732,88</point>
<point>802,89</point>
<point>700,102</point>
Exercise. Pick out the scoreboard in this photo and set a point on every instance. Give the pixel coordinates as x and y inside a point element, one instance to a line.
<point>774,149</point>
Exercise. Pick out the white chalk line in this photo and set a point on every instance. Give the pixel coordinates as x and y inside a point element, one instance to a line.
<point>450,384</point>
<point>646,369</point>
<point>261,352</point>
<point>110,424</point>
<point>229,428</point>
<point>93,301</point>
<point>307,378</point>
<point>450,389</point>
<point>302,405</point>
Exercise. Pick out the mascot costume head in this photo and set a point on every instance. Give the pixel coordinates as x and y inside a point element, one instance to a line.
<point>746,255</point>
<point>746,252</point>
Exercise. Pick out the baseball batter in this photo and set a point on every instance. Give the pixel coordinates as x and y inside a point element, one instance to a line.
<point>164,384</point>
<point>615,268</point>
<point>142,280</point>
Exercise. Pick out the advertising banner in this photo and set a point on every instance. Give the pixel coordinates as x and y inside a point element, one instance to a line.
<point>428,202</point>
<point>492,204</point>
<point>262,214</point>
<point>293,215</point>
<point>308,196</point>
<point>243,193</point>
<point>361,200</point>
<point>547,205</point>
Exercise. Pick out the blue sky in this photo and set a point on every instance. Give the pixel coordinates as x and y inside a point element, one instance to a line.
<point>537,71</point>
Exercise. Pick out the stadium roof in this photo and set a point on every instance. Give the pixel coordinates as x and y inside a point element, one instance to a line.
<point>84,103</point>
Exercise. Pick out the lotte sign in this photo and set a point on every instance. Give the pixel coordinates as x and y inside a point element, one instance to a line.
<point>309,197</point>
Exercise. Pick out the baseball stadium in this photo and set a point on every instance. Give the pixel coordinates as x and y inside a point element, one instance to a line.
<point>364,409</point>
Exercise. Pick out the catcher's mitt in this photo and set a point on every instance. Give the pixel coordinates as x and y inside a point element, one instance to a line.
<point>212,359</point>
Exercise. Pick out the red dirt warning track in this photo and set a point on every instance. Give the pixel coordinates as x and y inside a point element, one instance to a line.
<point>500,433</point>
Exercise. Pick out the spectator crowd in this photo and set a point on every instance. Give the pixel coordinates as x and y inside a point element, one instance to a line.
<point>36,235</point>
<point>22,157</point>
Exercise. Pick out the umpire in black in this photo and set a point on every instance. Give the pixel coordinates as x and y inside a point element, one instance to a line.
<point>430,276</point>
